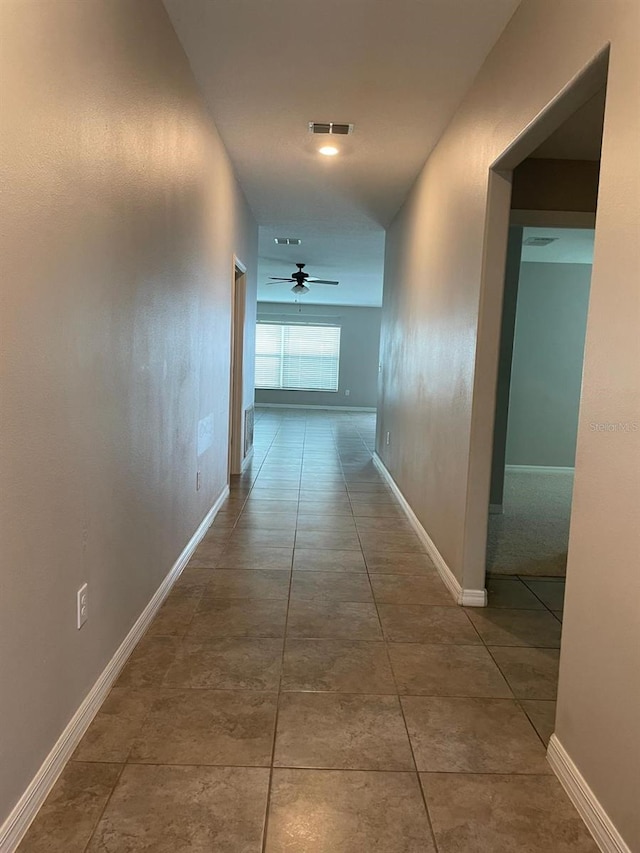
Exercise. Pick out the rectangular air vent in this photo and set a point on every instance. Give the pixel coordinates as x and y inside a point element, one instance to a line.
<point>539,241</point>
<point>287,241</point>
<point>330,127</point>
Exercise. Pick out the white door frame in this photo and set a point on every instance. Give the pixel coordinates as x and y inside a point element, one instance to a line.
<point>238,311</point>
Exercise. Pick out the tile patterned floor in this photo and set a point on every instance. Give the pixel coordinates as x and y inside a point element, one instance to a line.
<point>310,686</point>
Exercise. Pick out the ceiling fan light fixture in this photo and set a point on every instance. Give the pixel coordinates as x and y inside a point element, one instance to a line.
<point>300,288</point>
<point>328,150</point>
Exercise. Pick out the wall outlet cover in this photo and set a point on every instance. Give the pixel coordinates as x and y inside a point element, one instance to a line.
<point>82,605</point>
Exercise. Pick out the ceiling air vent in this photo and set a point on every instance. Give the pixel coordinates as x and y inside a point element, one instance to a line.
<point>330,127</point>
<point>539,241</point>
<point>287,241</point>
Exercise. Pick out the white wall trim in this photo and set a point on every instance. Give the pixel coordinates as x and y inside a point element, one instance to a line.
<point>20,818</point>
<point>466,597</point>
<point>331,408</point>
<point>588,806</point>
<point>539,469</point>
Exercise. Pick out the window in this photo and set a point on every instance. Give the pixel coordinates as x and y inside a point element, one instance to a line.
<point>297,357</point>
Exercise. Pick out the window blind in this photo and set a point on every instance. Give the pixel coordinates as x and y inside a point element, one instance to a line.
<point>297,357</point>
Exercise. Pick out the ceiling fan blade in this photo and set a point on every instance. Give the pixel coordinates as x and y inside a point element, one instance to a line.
<point>322,281</point>
<point>270,283</point>
<point>277,278</point>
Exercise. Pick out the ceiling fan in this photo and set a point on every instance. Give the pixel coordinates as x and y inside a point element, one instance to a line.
<point>300,279</point>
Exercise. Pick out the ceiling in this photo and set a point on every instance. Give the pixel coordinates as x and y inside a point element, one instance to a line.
<point>397,71</point>
<point>571,246</point>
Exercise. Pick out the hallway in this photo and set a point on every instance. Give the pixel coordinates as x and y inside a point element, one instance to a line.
<point>309,685</point>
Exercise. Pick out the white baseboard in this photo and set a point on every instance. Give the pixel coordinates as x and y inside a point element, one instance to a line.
<point>329,408</point>
<point>539,469</point>
<point>17,823</point>
<point>466,597</point>
<point>588,806</point>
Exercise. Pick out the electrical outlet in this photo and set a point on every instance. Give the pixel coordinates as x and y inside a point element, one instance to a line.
<point>82,605</point>
<point>198,481</point>
<point>388,438</point>
<point>347,392</point>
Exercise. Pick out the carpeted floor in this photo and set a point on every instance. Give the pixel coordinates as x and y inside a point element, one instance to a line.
<point>531,537</point>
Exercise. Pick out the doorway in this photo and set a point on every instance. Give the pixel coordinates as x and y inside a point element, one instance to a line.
<point>544,318</point>
<point>236,385</point>
<point>545,181</point>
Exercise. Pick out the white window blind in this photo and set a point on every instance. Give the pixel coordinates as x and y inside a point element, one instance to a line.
<point>297,357</point>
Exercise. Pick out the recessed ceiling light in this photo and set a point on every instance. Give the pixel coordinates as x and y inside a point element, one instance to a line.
<point>328,150</point>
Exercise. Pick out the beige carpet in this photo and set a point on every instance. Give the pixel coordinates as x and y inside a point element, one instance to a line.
<point>531,537</point>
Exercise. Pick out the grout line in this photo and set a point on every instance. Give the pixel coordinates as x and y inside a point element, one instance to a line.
<point>265,826</point>
<point>108,800</point>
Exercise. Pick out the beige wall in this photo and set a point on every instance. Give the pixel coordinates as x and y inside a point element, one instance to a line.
<point>430,318</point>
<point>120,216</point>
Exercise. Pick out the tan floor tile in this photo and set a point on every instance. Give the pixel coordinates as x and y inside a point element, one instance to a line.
<point>453,735</point>
<point>149,662</point>
<point>512,594</point>
<point>226,519</point>
<point>542,715</point>
<point>193,580</point>
<point>217,535</point>
<point>516,627</point>
<point>257,505</point>
<point>345,666</point>
<point>417,623</point>
<point>116,725</point>
<point>410,589</point>
<point>503,814</point>
<point>371,488</point>
<point>334,540</point>
<point>330,494</point>
<point>368,525</point>
<point>376,510</point>
<point>341,731</point>
<point>168,809</point>
<point>550,593</point>
<point>331,586</point>
<point>240,583</point>
<point>277,538</point>
<point>175,615</point>
<point>329,560</point>
<point>384,541</point>
<point>227,664</point>
<point>238,617</point>
<point>344,620</point>
<point>314,521</point>
<point>71,811</point>
<point>208,727</point>
<point>206,555</point>
<point>267,521</point>
<point>337,811</point>
<point>265,493</point>
<point>256,557</point>
<point>531,673</point>
<point>223,521</point>
<point>428,670</point>
<point>397,563</point>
